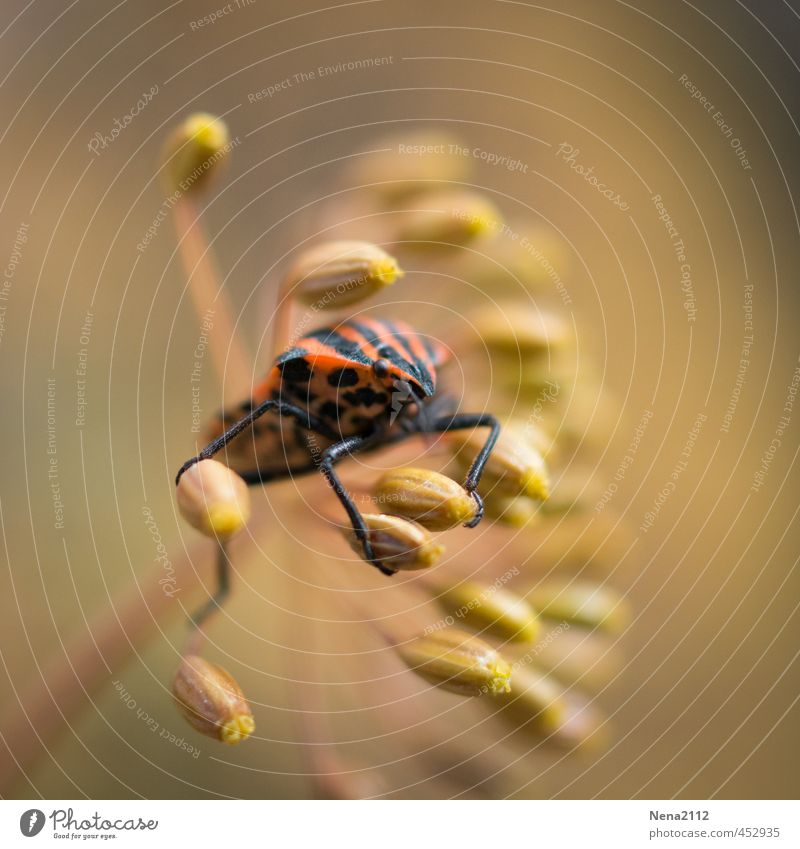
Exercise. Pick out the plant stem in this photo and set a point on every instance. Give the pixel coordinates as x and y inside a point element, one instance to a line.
<point>282,319</point>
<point>231,362</point>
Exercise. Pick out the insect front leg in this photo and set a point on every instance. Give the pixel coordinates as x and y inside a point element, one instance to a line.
<point>463,421</point>
<point>216,445</point>
<point>333,455</point>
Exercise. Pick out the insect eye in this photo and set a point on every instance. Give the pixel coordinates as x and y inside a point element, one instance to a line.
<point>381,368</point>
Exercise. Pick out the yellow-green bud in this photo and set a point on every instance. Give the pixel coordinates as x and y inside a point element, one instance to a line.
<point>396,542</point>
<point>521,332</point>
<point>340,273</point>
<point>211,701</point>
<point>490,608</point>
<point>194,152</point>
<point>514,467</point>
<point>410,162</point>
<point>451,216</point>
<point>536,259</point>
<point>576,545</point>
<point>457,661</point>
<point>581,603</point>
<point>515,511</point>
<point>213,499</point>
<point>435,501</point>
<point>535,698</point>
<point>576,492</point>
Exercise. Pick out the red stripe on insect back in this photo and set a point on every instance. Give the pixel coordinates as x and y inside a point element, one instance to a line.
<point>319,351</point>
<point>315,353</point>
<point>347,331</point>
<point>419,350</point>
<point>387,335</point>
<point>425,349</point>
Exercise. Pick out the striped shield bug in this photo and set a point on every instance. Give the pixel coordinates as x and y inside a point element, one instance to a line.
<point>341,390</point>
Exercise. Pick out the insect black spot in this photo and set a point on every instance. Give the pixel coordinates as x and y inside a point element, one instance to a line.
<point>301,392</point>
<point>330,410</point>
<point>365,396</point>
<point>295,370</point>
<point>343,377</point>
<point>386,351</point>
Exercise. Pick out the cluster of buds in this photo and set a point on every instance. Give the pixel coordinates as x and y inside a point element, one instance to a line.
<point>502,646</point>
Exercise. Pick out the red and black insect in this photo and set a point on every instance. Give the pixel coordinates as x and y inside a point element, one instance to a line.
<point>340,390</point>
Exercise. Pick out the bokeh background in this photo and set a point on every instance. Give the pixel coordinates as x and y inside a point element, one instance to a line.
<point>706,703</point>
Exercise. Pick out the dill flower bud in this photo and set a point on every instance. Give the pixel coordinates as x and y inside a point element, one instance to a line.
<point>457,661</point>
<point>581,603</point>
<point>194,152</point>
<point>211,701</point>
<point>535,699</point>
<point>515,511</point>
<point>491,608</point>
<point>410,162</point>
<point>537,258</point>
<point>340,273</point>
<point>521,331</point>
<point>398,543</point>
<point>213,499</point>
<point>515,466</point>
<point>452,216</point>
<point>435,501</point>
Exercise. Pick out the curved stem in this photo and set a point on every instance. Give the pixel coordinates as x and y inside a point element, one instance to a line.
<point>282,320</point>
<point>199,621</point>
<point>231,362</point>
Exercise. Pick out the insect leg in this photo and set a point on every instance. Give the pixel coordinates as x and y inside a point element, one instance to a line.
<point>303,416</point>
<point>463,421</point>
<point>223,588</point>
<point>333,455</point>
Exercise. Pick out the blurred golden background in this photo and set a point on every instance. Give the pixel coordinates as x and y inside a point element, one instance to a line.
<point>683,248</point>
